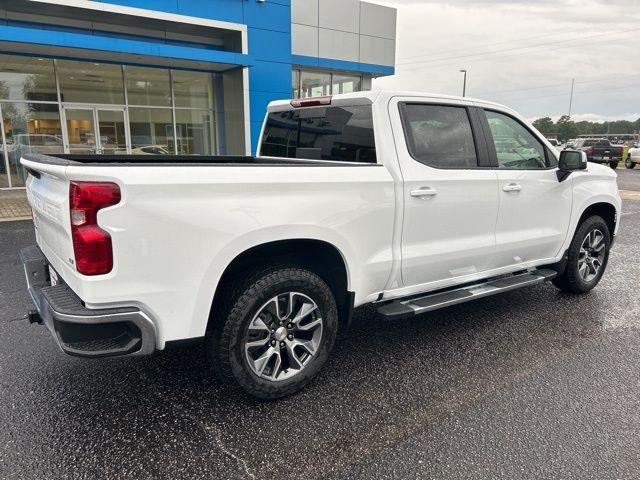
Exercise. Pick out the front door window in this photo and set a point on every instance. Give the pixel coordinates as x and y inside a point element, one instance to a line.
<point>516,147</point>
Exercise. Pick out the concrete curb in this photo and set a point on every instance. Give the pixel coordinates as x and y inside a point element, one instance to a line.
<point>15,219</point>
<point>630,195</point>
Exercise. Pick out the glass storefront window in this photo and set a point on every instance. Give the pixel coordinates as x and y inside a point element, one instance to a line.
<point>295,83</point>
<point>346,84</point>
<point>306,83</point>
<point>113,139</point>
<point>148,86</point>
<point>27,78</point>
<point>89,82</point>
<point>4,176</point>
<point>315,84</point>
<point>30,128</point>
<point>106,108</point>
<point>195,132</point>
<point>193,89</point>
<point>151,131</point>
<point>81,130</point>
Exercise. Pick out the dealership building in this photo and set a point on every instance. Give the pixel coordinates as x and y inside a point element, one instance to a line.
<point>185,77</point>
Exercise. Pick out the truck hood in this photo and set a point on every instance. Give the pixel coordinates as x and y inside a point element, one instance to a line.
<point>601,170</point>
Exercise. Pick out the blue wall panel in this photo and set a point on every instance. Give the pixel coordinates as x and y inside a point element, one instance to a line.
<point>256,128</point>
<point>269,37</point>
<point>266,76</point>
<point>224,10</point>
<point>170,6</point>
<point>268,16</point>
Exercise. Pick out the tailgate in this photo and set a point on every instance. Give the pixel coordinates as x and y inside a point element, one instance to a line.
<point>610,152</point>
<point>48,194</point>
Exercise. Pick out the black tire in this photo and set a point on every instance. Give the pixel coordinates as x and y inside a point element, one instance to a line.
<point>570,281</point>
<point>244,300</point>
<point>628,163</point>
<point>614,165</point>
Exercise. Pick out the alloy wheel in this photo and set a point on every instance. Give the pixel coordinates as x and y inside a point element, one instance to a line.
<point>591,256</point>
<point>283,337</point>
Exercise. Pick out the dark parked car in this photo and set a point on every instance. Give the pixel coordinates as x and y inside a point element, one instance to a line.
<point>600,150</point>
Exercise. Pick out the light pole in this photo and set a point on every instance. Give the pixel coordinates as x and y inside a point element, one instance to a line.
<point>464,83</point>
<point>573,81</point>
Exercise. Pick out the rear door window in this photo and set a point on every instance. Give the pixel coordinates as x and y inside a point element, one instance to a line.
<point>321,133</point>
<point>439,135</point>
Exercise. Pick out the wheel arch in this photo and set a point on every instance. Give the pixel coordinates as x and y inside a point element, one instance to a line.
<point>606,210</point>
<point>320,256</point>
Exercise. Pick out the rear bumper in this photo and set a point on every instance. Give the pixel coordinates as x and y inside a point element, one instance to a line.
<point>81,331</point>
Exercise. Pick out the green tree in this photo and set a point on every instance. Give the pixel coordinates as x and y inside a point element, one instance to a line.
<point>544,125</point>
<point>566,128</point>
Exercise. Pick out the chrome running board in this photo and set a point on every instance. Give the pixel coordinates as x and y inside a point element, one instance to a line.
<point>403,308</point>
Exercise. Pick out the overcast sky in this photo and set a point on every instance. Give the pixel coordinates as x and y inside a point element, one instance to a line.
<point>523,53</point>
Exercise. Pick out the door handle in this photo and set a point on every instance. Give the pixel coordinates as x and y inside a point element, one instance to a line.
<point>512,187</point>
<point>424,192</point>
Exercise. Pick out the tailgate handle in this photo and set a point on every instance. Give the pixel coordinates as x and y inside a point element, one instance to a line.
<point>33,172</point>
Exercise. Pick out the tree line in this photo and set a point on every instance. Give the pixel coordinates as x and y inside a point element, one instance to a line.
<point>565,128</point>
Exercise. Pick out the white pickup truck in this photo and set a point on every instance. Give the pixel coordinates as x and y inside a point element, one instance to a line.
<point>409,201</point>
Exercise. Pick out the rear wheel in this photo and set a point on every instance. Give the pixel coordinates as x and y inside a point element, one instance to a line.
<point>588,257</point>
<point>614,165</point>
<point>278,332</point>
<point>628,163</point>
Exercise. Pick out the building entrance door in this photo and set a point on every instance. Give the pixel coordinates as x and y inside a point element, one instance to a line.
<point>96,130</point>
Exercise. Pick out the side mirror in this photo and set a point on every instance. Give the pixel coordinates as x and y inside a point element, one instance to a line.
<point>570,161</point>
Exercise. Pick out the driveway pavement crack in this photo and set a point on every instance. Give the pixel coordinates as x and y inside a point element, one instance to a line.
<point>232,455</point>
<point>218,440</point>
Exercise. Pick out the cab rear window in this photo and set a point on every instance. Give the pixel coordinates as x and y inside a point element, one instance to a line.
<point>321,133</point>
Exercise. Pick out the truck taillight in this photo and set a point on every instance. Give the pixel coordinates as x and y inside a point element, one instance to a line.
<point>590,151</point>
<point>91,244</point>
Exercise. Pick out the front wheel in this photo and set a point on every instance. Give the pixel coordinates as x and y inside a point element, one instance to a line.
<point>588,257</point>
<point>628,163</point>
<point>614,165</point>
<point>278,332</point>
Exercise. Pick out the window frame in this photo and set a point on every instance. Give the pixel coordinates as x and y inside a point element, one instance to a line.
<point>482,155</point>
<point>491,146</point>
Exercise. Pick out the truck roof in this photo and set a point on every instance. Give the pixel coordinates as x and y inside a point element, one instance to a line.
<point>369,97</point>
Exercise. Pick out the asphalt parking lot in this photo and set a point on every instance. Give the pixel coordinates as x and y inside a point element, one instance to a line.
<point>530,384</point>
<point>628,179</point>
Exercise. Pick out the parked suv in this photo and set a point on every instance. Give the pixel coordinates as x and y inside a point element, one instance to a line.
<point>407,201</point>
